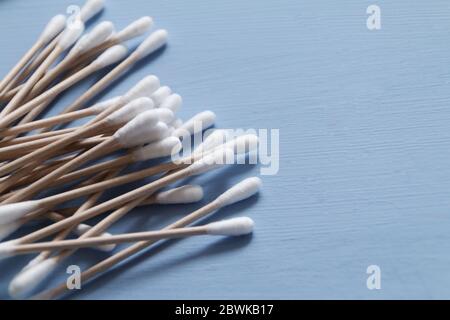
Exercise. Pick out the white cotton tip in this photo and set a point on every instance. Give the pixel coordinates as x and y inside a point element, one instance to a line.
<point>26,281</point>
<point>135,29</point>
<point>53,28</point>
<point>141,130</point>
<point>180,195</point>
<point>163,148</point>
<point>231,227</point>
<point>103,105</point>
<point>155,41</point>
<point>172,102</point>
<point>160,95</point>
<point>13,211</point>
<point>243,190</point>
<point>83,228</point>
<point>90,9</point>
<point>7,249</point>
<point>98,35</point>
<point>111,56</point>
<point>243,144</point>
<point>216,138</point>
<point>144,88</point>
<point>131,110</point>
<point>176,123</point>
<point>211,161</point>
<point>165,115</point>
<point>9,228</point>
<point>70,35</point>
<point>197,123</point>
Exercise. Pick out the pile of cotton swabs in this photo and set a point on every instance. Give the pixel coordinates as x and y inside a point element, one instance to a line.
<point>42,155</point>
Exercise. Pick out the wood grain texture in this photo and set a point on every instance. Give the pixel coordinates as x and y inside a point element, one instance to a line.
<point>365,141</point>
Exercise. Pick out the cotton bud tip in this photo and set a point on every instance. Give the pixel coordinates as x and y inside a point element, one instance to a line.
<point>103,105</point>
<point>131,110</point>
<point>71,34</point>
<point>184,194</point>
<point>165,115</point>
<point>215,139</point>
<point>27,280</point>
<point>141,130</point>
<point>13,211</point>
<point>163,148</point>
<point>83,228</point>
<point>160,95</point>
<point>111,56</point>
<point>90,9</point>
<point>211,161</point>
<point>100,33</point>
<point>155,41</point>
<point>198,123</point>
<point>144,88</point>
<point>231,227</point>
<point>135,29</point>
<point>243,144</point>
<point>53,28</point>
<point>240,191</point>
<point>8,229</point>
<point>172,102</point>
<point>7,249</point>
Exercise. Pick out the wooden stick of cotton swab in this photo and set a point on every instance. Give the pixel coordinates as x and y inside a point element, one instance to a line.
<point>62,118</point>
<point>240,145</point>
<point>239,192</point>
<point>95,42</point>
<point>246,142</point>
<point>89,10</point>
<point>53,28</point>
<point>139,130</point>
<point>207,163</point>
<point>180,195</point>
<point>231,227</point>
<point>166,147</point>
<point>68,37</point>
<point>145,86</point>
<point>185,194</point>
<point>155,41</point>
<point>98,35</point>
<point>110,56</point>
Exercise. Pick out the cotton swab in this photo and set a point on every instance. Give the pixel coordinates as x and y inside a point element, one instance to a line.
<point>196,124</point>
<point>17,210</point>
<point>67,117</point>
<point>133,30</point>
<point>172,102</point>
<point>240,145</point>
<point>152,43</point>
<point>89,10</point>
<point>98,35</point>
<point>110,56</point>
<point>143,128</point>
<point>184,194</point>
<point>181,195</point>
<point>53,28</point>
<point>239,192</point>
<point>68,37</point>
<point>231,227</point>
<point>107,120</point>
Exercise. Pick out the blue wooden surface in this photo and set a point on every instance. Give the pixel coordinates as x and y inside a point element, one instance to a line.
<point>364,142</point>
